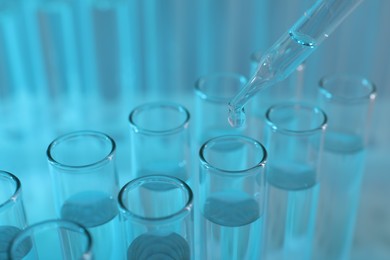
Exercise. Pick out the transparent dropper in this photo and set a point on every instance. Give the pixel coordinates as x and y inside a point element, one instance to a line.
<point>292,48</point>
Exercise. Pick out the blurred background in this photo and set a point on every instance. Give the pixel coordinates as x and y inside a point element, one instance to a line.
<point>69,65</point>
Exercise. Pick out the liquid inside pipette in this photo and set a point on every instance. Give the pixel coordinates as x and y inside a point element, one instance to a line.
<point>275,65</point>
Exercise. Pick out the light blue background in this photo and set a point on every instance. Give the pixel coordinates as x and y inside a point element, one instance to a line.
<point>84,64</point>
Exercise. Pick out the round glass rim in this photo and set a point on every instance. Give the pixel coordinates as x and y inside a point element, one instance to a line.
<point>135,183</point>
<point>144,107</point>
<point>321,126</point>
<point>71,135</point>
<point>18,187</point>
<point>217,99</point>
<point>55,223</point>
<point>243,172</point>
<point>371,93</point>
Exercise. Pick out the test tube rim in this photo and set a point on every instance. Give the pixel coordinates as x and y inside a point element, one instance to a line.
<point>61,223</point>
<point>16,194</point>
<point>99,163</point>
<point>321,126</point>
<point>327,93</point>
<point>186,209</point>
<point>199,91</point>
<point>238,173</point>
<point>178,107</point>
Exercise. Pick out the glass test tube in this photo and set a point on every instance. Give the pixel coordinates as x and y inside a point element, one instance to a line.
<point>52,239</point>
<point>160,140</point>
<point>12,213</point>
<point>348,101</point>
<point>232,197</point>
<point>294,139</point>
<point>212,94</point>
<point>162,228</point>
<point>54,53</point>
<point>85,183</point>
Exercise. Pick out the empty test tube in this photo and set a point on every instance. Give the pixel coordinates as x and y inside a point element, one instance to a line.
<point>212,93</point>
<point>160,140</point>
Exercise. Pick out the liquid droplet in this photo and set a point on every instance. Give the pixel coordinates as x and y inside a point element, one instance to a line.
<point>236,117</point>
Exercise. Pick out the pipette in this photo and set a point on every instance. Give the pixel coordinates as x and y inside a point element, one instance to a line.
<point>292,48</point>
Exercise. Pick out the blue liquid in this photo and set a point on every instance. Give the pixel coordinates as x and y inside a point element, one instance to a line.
<point>7,234</point>
<point>231,227</point>
<point>291,209</point>
<point>342,171</point>
<point>276,64</point>
<point>97,212</point>
<point>291,176</point>
<point>160,247</point>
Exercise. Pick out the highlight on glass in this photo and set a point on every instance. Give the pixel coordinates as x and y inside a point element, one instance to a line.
<point>12,212</point>
<point>232,197</point>
<point>52,239</point>
<point>157,213</point>
<point>212,93</point>
<point>160,140</point>
<point>294,139</point>
<point>348,100</point>
<point>83,171</point>
<point>291,50</point>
